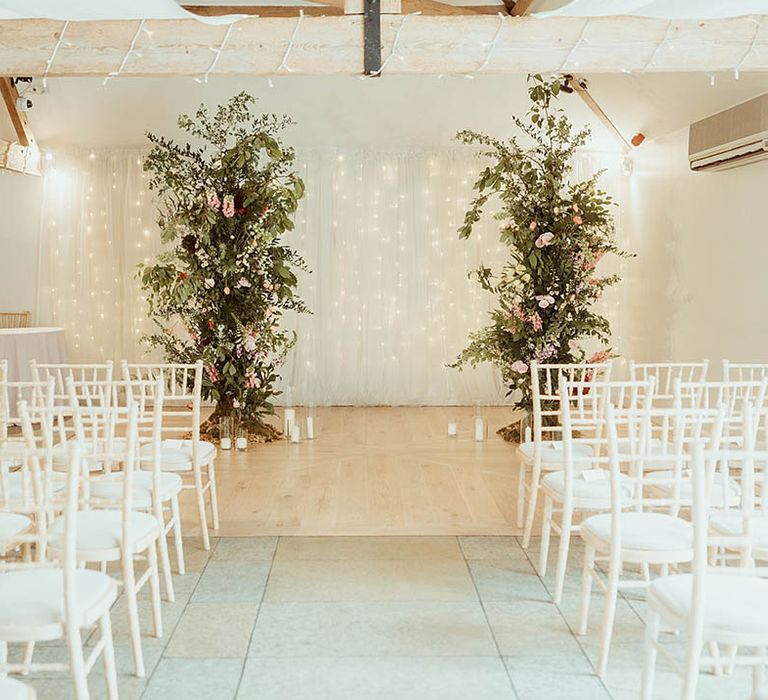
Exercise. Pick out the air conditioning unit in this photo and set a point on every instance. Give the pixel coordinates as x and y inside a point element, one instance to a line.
<point>735,137</point>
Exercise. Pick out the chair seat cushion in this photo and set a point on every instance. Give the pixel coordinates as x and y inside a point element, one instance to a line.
<point>12,452</point>
<point>11,689</point>
<point>12,524</point>
<point>100,530</point>
<point>176,455</point>
<point>656,447</point>
<point>641,531</point>
<point>732,603</point>
<point>110,486</point>
<point>117,448</point>
<point>732,490</point>
<point>19,491</point>
<point>589,489</point>
<point>35,599</point>
<point>731,525</point>
<point>552,451</point>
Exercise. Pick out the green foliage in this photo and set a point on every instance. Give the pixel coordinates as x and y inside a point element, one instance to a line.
<point>556,232</point>
<point>218,291</point>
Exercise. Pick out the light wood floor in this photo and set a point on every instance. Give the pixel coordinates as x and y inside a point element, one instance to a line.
<point>371,471</point>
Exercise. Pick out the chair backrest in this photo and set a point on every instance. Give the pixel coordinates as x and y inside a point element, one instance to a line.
<point>733,395</point>
<point>182,400</point>
<point>14,319</point>
<point>665,374</point>
<point>744,371</point>
<point>545,391</point>
<point>98,372</point>
<point>35,394</point>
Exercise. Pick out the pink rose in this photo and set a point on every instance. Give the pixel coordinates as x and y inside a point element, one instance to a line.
<point>577,220</point>
<point>213,200</point>
<point>519,366</point>
<point>235,404</point>
<point>533,225</point>
<point>226,290</point>
<point>229,206</point>
<point>544,239</point>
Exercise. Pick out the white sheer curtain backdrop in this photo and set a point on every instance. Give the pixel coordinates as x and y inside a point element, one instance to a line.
<point>389,290</point>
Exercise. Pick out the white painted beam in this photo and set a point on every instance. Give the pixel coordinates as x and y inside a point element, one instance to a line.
<point>427,44</point>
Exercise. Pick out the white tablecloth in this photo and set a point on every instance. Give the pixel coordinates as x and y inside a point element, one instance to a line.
<point>20,345</point>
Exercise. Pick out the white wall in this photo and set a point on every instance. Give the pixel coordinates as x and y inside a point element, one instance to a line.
<point>700,286</point>
<point>20,197</point>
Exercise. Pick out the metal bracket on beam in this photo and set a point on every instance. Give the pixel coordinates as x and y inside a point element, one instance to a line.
<point>372,37</point>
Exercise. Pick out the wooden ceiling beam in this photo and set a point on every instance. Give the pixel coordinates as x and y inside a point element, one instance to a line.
<point>264,10</point>
<point>332,8</point>
<point>518,8</point>
<point>18,118</point>
<point>427,45</point>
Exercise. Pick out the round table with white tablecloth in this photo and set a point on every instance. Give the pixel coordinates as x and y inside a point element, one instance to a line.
<point>20,345</point>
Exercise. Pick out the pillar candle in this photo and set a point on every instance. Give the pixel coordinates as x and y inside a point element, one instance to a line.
<point>479,430</point>
<point>289,418</point>
<point>310,428</point>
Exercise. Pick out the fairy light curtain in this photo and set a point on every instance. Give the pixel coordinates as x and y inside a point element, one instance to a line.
<point>389,290</point>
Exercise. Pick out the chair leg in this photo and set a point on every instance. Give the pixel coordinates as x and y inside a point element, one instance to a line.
<point>566,523</point>
<point>521,495</point>
<point>201,510</point>
<point>214,497</point>
<point>154,589</point>
<point>110,669</point>
<point>758,672</point>
<point>178,542</point>
<point>77,665</point>
<point>165,561</point>
<point>29,652</point>
<point>714,651</point>
<point>691,678</point>
<point>546,527</point>
<point>586,588</point>
<point>651,652</point>
<point>129,584</point>
<point>609,615</point>
<point>530,508</point>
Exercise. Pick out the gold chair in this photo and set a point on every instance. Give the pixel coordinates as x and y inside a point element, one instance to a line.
<point>14,319</point>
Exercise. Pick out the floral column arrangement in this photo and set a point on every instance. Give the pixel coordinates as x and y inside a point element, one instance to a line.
<point>556,232</point>
<point>218,290</point>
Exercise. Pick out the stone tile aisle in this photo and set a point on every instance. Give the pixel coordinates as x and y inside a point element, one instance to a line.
<point>380,618</point>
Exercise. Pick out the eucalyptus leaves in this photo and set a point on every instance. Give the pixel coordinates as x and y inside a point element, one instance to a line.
<point>556,232</point>
<point>218,291</point>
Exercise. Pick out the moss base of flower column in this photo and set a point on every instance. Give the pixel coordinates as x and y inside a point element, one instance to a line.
<point>258,430</point>
<point>515,431</point>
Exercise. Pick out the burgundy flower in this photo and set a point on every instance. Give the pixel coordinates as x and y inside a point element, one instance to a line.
<point>239,205</point>
<point>189,243</point>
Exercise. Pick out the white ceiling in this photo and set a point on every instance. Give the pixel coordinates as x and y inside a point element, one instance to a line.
<point>390,111</point>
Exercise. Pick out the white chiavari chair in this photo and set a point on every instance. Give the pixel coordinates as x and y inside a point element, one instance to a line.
<point>154,491</point>
<point>108,527</point>
<point>725,605</point>
<point>541,451</point>
<point>665,374</point>
<point>645,529</point>
<point>52,597</point>
<point>583,484</point>
<point>182,416</point>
